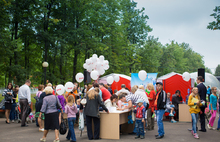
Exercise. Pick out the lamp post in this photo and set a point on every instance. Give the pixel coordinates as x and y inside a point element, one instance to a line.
<point>45,65</point>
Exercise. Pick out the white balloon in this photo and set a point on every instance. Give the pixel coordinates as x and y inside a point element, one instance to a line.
<point>110,80</point>
<point>69,86</point>
<point>79,77</point>
<point>98,65</point>
<point>106,67</point>
<point>85,66</point>
<point>102,71</point>
<point>116,78</point>
<point>142,75</point>
<point>94,60</point>
<point>94,56</point>
<point>89,62</point>
<point>89,70</point>
<point>186,76</point>
<point>102,58</point>
<point>106,62</point>
<point>94,74</point>
<point>60,89</point>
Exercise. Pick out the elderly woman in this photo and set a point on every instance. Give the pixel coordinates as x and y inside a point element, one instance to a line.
<point>92,113</point>
<point>50,109</point>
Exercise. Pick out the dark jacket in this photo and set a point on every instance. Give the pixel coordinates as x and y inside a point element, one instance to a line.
<point>162,100</point>
<point>40,102</point>
<point>202,92</point>
<point>176,100</point>
<point>92,106</point>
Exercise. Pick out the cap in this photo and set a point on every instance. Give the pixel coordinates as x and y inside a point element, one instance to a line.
<point>159,83</point>
<point>139,101</point>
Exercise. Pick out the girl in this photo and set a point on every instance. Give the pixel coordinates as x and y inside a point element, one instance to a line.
<point>194,103</point>
<point>213,107</point>
<point>71,110</point>
<point>112,101</point>
<point>62,101</point>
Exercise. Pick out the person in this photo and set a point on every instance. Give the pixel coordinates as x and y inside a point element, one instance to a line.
<point>91,111</point>
<point>213,107</point>
<point>62,101</point>
<point>71,110</point>
<point>84,90</point>
<point>76,91</point>
<point>121,100</point>
<point>140,118</point>
<point>13,112</point>
<point>176,100</point>
<point>50,109</point>
<point>208,92</point>
<point>160,106</point>
<point>141,91</point>
<point>218,127</point>
<point>170,108</point>
<point>115,91</point>
<point>132,98</point>
<point>96,85</point>
<point>105,93</point>
<point>111,102</point>
<point>24,98</point>
<point>50,85</point>
<point>123,86</point>
<point>150,110</point>
<point>194,103</point>
<point>202,93</point>
<point>8,94</point>
<point>109,89</point>
<point>37,111</point>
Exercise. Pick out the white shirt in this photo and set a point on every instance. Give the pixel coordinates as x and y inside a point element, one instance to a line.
<point>108,103</point>
<point>24,93</point>
<point>122,91</point>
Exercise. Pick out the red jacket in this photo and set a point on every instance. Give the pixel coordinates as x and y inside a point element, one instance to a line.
<point>140,112</point>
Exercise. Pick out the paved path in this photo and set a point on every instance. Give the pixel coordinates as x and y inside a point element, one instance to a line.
<point>174,132</point>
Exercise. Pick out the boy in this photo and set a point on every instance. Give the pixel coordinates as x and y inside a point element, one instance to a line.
<point>140,116</point>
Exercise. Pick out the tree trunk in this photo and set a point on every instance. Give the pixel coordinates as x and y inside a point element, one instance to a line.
<point>75,63</point>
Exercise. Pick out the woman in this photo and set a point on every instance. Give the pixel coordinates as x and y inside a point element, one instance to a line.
<point>13,113</point>
<point>134,89</point>
<point>194,103</point>
<point>150,110</point>
<point>49,108</point>
<point>40,95</point>
<point>92,113</point>
<point>8,94</point>
<point>62,101</point>
<point>213,107</point>
<point>112,101</point>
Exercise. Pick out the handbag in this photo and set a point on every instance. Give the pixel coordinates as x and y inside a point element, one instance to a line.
<point>63,128</point>
<point>57,104</point>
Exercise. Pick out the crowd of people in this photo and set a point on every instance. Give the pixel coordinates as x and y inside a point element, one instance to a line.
<point>99,97</point>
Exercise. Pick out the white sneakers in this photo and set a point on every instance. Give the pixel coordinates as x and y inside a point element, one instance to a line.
<point>41,130</point>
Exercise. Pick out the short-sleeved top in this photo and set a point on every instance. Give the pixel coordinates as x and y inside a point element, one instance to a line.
<point>213,101</point>
<point>133,98</point>
<point>209,91</point>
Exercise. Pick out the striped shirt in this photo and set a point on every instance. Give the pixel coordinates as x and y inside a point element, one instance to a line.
<point>133,98</point>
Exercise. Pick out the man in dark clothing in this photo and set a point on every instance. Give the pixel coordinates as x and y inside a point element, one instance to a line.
<point>159,107</point>
<point>202,93</point>
<point>109,89</point>
<point>176,100</point>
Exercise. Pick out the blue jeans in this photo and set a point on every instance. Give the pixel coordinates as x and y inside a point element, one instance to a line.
<point>194,121</point>
<point>159,115</point>
<point>13,113</point>
<point>218,123</point>
<point>71,132</point>
<point>139,125</point>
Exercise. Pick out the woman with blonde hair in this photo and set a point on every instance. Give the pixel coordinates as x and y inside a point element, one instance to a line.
<point>150,110</point>
<point>134,89</point>
<point>194,103</point>
<point>93,101</point>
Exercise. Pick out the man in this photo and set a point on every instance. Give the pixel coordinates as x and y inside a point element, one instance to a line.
<point>202,93</point>
<point>160,106</point>
<point>176,100</point>
<point>24,98</point>
<point>170,108</point>
<point>123,90</point>
<point>105,93</point>
<point>109,89</point>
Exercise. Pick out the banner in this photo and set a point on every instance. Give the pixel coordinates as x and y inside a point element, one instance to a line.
<point>151,78</point>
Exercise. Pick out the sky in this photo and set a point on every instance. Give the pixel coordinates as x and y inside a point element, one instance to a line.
<point>185,21</point>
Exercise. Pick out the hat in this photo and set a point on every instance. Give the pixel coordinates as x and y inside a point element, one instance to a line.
<point>159,83</point>
<point>139,101</point>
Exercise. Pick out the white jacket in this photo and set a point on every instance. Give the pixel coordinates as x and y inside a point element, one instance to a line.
<point>108,103</point>
<point>142,93</point>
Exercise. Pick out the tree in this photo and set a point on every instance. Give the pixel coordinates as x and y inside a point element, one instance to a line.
<point>217,71</point>
<point>215,25</point>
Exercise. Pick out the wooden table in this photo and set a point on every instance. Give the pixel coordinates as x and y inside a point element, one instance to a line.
<point>184,114</point>
<point>110,124</point>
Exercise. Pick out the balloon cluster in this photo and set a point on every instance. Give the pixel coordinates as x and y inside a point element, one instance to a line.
<point>60,89</point>
<point>111,79</point>
<point>96,66</point>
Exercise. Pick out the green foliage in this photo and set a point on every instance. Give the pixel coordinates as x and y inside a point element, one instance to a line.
<point>217,71</point>
<point>215,25</point>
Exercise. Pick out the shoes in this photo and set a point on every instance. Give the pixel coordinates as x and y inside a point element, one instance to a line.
<point>97,139</point>
<point>159,137</point>
<point>24,125</point>
<point>72,141</point>
<point>173,121</point>
<point>137,137</point>
<point>56,140</point>
<point>13,121</point>
<point>189,129</point>
<point>196,136</point>
<point>209,127</point>
<point>192,132</point>
<point>43,139</point>
<point>202,130</point>
<point>171,114</point>
<point>213,128</point>
<point>132,133</point>
<point>41,130</point>
<point>218,129</point>
<point>6,122</point>
<point>142,137</point>
<point>156,135</point>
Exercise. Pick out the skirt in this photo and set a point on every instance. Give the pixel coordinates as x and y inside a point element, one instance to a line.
<point>8,105</point>
<point>51,121</point>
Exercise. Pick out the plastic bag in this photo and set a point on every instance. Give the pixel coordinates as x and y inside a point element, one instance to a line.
<point>63,128</point>
<point>81,122</point>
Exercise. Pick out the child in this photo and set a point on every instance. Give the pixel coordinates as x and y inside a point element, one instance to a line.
<point>195,104</point>
<point>121,100</point>
<point>140,118</point>
<point>213,107</point>
<point>71,110</point>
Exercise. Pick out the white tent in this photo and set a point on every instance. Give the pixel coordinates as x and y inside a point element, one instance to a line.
<point>210,80</point>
